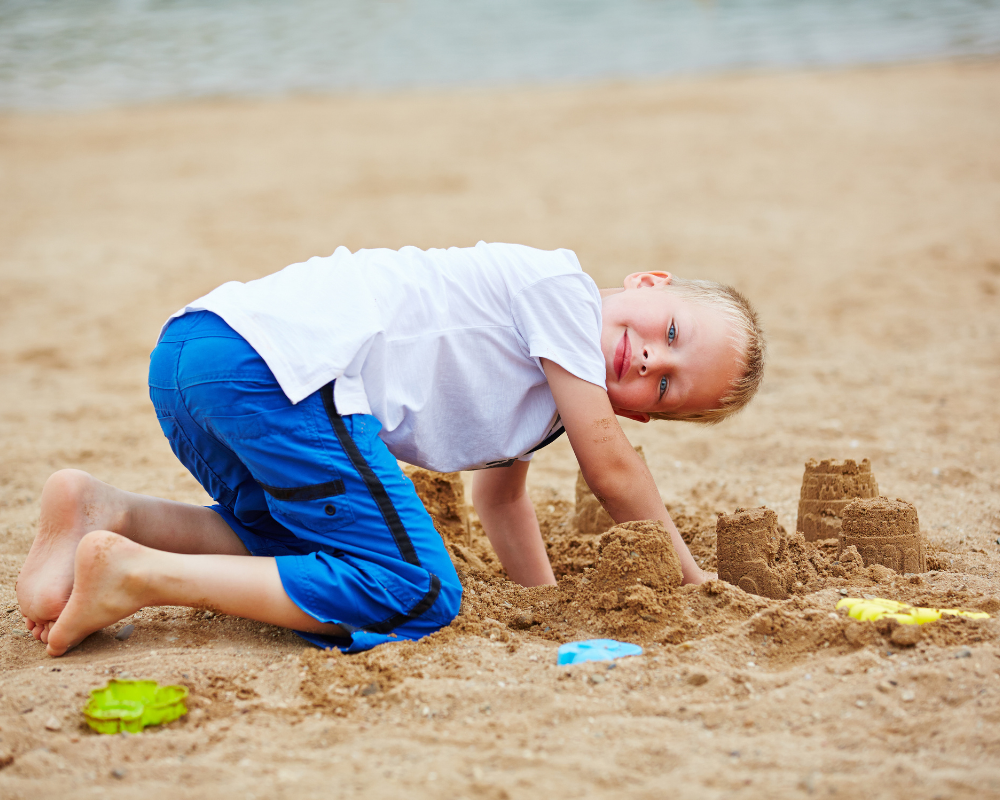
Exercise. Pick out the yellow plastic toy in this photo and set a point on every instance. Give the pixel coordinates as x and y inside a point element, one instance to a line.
<point>879,608</point>
<point>132,705</point>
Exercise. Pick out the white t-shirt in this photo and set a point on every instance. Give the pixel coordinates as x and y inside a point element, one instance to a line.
<point>441,346</point>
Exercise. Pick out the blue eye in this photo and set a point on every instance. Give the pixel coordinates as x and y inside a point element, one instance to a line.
<point>671,333</point>
<point>663,386</point>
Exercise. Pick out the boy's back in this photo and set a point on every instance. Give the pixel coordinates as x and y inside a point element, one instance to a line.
<point>441,346</point>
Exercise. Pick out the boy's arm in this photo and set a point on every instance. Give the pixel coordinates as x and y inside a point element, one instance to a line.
<point>615,473</point>
<point>508,516</point>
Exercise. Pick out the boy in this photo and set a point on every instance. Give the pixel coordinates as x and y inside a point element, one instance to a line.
<point>290,399</point>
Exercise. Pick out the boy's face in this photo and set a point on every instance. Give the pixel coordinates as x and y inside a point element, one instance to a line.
<point>662,351</point>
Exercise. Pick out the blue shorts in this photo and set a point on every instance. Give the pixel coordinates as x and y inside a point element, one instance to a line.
<point>319,492</point>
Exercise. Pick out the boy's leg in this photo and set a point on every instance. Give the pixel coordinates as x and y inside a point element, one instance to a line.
<point>357,553</point>
<point>115,577</point>
<point>73,504</point>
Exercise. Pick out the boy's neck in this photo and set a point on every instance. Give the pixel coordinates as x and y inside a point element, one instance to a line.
<point>609,292</point>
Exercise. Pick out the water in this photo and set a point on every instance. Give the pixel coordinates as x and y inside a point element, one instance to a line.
<point>86,53</point>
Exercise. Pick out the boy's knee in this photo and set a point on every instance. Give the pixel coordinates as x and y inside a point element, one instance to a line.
<point>449,601</point>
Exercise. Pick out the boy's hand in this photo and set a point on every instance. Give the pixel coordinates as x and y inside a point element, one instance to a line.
<point>615,473</point>
<point>501,500</point>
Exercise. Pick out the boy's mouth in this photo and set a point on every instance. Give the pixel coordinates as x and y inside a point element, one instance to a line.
<point>623,356</point>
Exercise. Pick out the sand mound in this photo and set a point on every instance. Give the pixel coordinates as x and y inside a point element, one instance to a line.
<point>637,568</point>
<point>630,592</point>
<point>443,495</point>
<point>637,553</point>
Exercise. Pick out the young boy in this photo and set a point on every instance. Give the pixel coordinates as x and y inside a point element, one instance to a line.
<point>290,399</point>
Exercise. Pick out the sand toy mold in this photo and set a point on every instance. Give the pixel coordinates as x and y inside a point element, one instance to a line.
<point>132,705</point>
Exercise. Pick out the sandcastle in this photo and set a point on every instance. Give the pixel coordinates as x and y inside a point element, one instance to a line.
<point>749,548</point>
<point>885,532</point>
<point>827,487</point>
<point>590,515</point>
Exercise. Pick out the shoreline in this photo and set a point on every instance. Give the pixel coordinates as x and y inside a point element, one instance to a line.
<point>503,89</point>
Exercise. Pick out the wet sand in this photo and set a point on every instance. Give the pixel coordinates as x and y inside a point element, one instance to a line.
<point>858,209</point>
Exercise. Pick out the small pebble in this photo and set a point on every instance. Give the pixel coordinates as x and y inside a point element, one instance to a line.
<point>370,689</point>
<point>908,696</point>
<point>844,592</point>
<point>965,652</point>
<point>906,635</point>
<point>118,773</point>
<point>52,724</point>
<point>522,621</point>
<point>596,678</point>
<point>125,632</point>
<point>208,615</point>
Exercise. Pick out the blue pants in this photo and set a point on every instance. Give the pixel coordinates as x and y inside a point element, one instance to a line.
<point>319,492</point>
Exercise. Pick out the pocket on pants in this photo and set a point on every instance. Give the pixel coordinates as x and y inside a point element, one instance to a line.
<point>320,507</point>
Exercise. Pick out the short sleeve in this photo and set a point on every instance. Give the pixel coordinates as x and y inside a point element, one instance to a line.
<point>559,318</point>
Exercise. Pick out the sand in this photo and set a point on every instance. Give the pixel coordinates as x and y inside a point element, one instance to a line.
<point>858,208</point>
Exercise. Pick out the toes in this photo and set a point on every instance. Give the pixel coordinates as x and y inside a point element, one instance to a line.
<point>58,644</point>
<point>55,651</point>
<point>28,623</point>
<point>46,628</point>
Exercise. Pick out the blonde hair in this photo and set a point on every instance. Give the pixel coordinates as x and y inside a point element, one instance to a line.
<point>747,335</point>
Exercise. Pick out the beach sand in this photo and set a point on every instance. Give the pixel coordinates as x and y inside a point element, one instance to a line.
<point>859,209</point>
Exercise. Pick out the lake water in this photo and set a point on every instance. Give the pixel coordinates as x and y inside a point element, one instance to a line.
<point>85,53</point>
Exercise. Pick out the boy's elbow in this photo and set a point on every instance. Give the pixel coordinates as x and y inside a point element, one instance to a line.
<point>615,476</point>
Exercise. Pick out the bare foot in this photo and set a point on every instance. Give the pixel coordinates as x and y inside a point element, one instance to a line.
<point>73,504</point>
<point>107,586</point>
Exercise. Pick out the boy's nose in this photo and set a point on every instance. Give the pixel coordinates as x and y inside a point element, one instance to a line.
<point>651,360</point>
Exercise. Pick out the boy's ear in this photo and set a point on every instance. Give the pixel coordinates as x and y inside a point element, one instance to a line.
<point>636,415</point>
<point>638,280</point>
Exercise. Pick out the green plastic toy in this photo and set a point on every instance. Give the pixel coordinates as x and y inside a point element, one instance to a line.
<point>132,705</point>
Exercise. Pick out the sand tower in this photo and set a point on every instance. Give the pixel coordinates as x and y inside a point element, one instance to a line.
<point>828,486</point>
<point>590,515</point>
<point>885,532</point>
<point>748,545</point>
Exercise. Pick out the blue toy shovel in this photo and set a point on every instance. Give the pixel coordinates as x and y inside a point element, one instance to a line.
<point>596,650</point>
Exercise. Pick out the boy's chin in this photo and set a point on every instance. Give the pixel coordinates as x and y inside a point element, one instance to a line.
<point>638,416</point>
